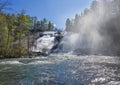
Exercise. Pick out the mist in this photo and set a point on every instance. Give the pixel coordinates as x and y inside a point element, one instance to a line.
<point>96,31</point>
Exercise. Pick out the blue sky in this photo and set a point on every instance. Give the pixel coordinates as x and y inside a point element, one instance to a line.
<point>56,11</point>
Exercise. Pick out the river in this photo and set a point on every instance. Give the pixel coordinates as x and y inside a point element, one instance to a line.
<point>61,69</point>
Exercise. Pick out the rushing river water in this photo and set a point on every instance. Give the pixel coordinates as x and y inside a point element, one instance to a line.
<point>61,69</point>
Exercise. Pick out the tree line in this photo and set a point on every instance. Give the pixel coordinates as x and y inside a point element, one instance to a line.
<point>105,16</point>
<point>41,25</point>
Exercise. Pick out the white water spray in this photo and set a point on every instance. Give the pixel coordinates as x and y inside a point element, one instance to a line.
<point>89,33</point>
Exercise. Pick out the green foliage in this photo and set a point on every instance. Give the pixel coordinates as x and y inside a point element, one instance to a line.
<point>13,28</point>
<point>41,25</point>
<point>3,34</point>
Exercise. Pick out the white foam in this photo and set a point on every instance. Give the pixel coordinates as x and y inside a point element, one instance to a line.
<point>10,62</point>
<point>114,83</point>
<point>101,79</point>
<point>40,62</point>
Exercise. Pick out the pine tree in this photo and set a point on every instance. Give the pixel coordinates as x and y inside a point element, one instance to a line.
<point>69,25</point>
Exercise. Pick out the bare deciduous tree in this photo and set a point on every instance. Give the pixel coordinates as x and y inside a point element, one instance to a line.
<point>4,5</point>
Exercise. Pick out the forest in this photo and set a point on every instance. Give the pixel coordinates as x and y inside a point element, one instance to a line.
<point>15,27</point>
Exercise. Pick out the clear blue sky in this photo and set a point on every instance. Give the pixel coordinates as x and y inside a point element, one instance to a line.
<point>56,11</point>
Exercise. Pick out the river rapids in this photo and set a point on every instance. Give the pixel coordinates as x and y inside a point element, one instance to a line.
<point>61,69</point>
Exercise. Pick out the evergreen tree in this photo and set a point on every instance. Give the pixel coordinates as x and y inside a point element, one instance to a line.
<point>22,30</point>
<point>76,23</point>
<point>94,5</point>
<point>86,11</point>
<point>50,26</point>
<point>69,25</point>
